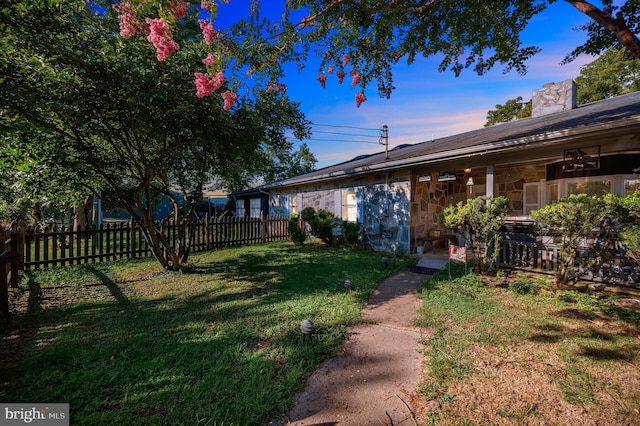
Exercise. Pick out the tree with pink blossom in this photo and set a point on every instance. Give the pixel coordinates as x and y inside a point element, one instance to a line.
<point>369,37</point>
<point>101,113</point>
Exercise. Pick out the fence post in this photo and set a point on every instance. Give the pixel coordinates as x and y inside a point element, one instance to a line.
<point>4,284</point>
<point>17,246</point>
<point>4,291</point>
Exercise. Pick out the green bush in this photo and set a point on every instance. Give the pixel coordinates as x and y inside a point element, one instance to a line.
<point>321,223</point>
<point>574,218</point>
<point>351,233</point>
<point>296,233</point>
<point>479,220</point>
<point>522,285</point>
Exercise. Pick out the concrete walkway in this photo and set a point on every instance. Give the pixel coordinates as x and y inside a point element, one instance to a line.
<point>373,380</point>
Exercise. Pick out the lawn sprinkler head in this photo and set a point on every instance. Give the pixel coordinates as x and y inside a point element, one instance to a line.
<point>306,326</point>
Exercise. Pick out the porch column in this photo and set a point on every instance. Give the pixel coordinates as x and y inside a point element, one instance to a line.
<point>490,183</point>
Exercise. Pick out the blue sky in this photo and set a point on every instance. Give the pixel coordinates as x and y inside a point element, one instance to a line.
<point>427,104</point>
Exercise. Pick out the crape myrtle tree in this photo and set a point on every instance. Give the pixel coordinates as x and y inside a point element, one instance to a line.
<point>362,39</point>
<point>103,114</point>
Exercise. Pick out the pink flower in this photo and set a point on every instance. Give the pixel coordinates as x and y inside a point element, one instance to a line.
<point>160,36</point>
<point>230,98</point>
<point>180,9</point>
<point>341,75</point>
<point>322,79</point>
<point>207,31</point>
<point>345,60</point>
<point>355,79</point>
<point>330,69</point>
<point>360,98</point>
<point>276,87</point>
<point>209,60</point>
<point>129,21</point>
<point>205,4</point>
<point>206,86</point>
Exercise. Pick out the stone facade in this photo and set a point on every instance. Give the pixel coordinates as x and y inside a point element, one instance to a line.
<point>510,182</point>
<point>383,208</point>
<point>431,197</point>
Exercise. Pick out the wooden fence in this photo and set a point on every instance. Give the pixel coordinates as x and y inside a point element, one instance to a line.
<point>609,266</point>
<point>57,245</point>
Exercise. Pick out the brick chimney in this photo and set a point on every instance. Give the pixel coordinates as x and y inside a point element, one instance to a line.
<point>554,98</point>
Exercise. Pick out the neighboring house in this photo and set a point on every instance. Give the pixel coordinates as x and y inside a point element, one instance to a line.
<point>562,149</point>
<point>252,202</point>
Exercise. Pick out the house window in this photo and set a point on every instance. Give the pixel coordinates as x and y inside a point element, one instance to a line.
<point>255,208</point>
<point>293,204</point>
<point>349,205</point>
<point>240,211</point>
<point>596,188</point>
<point>631,185</point>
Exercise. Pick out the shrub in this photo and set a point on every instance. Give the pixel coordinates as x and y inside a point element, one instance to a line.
<point>321,223</point>
<point>574,218</point>
<point>523,285</point>
<point>296,233</point>
<point>479,220</point>
<point>351,233</point>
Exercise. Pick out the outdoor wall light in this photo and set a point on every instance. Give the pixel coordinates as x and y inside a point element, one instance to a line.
<point>467,170</point>
<point>470,185</point>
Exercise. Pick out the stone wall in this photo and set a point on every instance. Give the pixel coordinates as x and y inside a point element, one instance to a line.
<point>431,197</point>
<point>383,208</point>
<point>510,182</point>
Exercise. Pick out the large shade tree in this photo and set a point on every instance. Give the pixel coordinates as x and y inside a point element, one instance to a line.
<point>101,113</point>
<point>365,38</point>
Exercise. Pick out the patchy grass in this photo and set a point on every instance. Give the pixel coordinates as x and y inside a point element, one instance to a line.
<point>521,354</point>
<point>128,343</point>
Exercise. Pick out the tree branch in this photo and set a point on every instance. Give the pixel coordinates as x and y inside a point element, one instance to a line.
<point>616,25</point>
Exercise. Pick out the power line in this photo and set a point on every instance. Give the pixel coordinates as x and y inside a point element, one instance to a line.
<point>346,134</point>
<point>336,140</point>
<point>346,127</point>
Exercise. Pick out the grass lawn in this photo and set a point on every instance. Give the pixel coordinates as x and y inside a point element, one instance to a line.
<point>513,352</point>
<point>129,343</point>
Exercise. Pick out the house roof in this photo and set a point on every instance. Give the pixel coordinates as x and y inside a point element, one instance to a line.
<point>603,116</point>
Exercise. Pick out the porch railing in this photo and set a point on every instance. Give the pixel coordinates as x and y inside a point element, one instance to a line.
<point>609,266</point>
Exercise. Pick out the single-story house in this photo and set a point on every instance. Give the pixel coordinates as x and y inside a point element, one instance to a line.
<point>562,149</point>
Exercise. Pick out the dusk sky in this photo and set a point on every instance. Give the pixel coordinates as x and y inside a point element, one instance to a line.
<point>427,104</point>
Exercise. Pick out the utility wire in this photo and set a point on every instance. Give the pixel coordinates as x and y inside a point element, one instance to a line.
<point>346,134</point>
<point>337,140</point>
<point>346,127</point>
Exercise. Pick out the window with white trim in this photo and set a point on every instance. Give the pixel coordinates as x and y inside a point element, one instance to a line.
<point>255,208</point>
<point>349,205</point>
